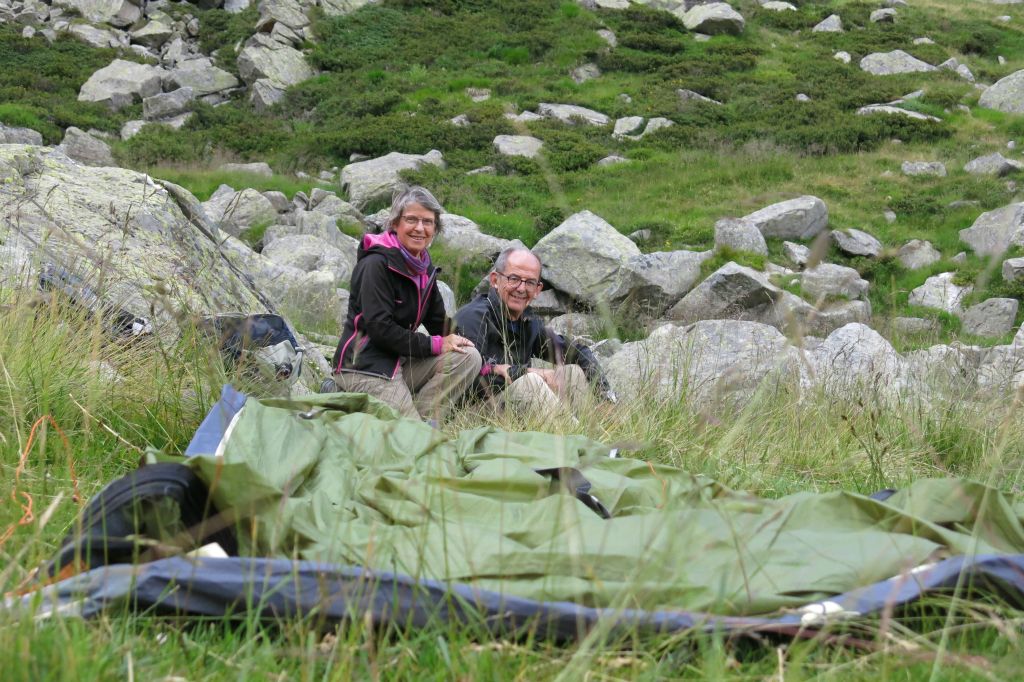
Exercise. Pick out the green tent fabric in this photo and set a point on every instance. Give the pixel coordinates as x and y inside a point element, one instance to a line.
<point>340,478</point>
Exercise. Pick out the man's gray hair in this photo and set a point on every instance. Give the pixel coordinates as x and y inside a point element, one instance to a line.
<point>502,260</point>
<point>414,194</point>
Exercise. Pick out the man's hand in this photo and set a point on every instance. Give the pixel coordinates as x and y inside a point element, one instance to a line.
<point>502,371</point>
<point>550,378</point>
<point>456,343</point>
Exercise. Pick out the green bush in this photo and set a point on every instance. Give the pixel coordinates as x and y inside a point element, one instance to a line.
<point>156,144</point>
<point>220,31</point>
<point>39,84</point>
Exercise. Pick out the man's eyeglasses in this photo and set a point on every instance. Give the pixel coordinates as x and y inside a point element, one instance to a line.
<point>413,221</point>
<point>515,280</point>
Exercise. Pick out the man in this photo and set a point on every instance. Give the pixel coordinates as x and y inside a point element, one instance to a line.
<point>508,336</point>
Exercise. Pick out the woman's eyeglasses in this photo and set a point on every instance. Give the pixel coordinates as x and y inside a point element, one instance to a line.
<point>413,221</point>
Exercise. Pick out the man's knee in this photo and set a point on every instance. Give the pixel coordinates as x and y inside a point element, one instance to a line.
<point>467,363</point>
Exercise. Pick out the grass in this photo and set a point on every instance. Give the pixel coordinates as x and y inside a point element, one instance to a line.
<point>48,353</point>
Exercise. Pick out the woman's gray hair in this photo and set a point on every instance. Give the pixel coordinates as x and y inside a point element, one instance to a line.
<point>414,194</point>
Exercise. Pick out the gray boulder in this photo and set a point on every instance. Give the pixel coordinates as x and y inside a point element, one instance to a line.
<point>157,30</point>
<point>857,243</point>
<point>1013,269</point>
<point>308,253</point>
<point>203,77</point>
<point>852,360</point>
<point>1006,95</point>
<point>712,19</point>
<point>996,231</point>
<point>629,125</point>
<point>265,58</point>
<point>800,218</point>
<point>830,24</point>
<point>120,83</point>
<point>704,363</point>
<point>365,181</point>
<point>585,72</point>
<point>571,113</point>
<point>993,164</point>
<point>584,257</point>
<point>924,168</point>
<point>261,168</point>
<point>335,8</point>
<point>240,211</point>
<point>264,94</point>
<point>120,13</point>
<point>577,325</point>
<point>917,254</point>
<point>84,148</point>
<point>337,208</point>
<point>897,61</point>
<point>797,254</point>
<point>463,236</point>
<point>739,234</point>
<point>827,317</point>
<point>290,13</point>
<point>914,325</point>
<point>731,292</point>
<point>168,267</point>
<point>828,281</point>
<point>15,135</point>
<point>95,36</point>
<point>518,145</point>
<point>941,293</point>
<point>317,224</point>
<point>1001,369</point>
<point>167,104</point>
<point>652,282</point>
<point>778,6</point>
<point>886,15</point>
<point>890,110</point>
<point>687,97</point>
<point>608,37</point>
<point>992,318</point>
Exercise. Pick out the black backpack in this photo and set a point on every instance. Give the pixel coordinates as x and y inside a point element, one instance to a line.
<point>158,510</point>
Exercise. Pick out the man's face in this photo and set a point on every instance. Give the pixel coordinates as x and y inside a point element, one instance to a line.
<point>514,284</point>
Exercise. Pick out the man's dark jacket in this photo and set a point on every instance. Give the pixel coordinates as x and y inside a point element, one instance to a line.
<point>485,322</point>
<point>385,308</point>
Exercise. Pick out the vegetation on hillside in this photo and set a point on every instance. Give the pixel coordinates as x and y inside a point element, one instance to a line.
<point>392,75</point>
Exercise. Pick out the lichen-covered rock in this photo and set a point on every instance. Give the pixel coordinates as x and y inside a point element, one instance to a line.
<point>894,62</point>
<point>120,83</point>
<point>518,145</point>
<point>84,148</point>
<point>853,242</point>
<point>366,181</point>
<point>124,236</point>
<point>712,19</point>
<point>800,218</point>
<point>996,231</point>
<point>739,234</point>
<point>1006,95</point>
<point>917,254</point>
<point>705,362</point>
<point>992,317</point>
<point>571,113</point>
<point>584,257</point>
<point>265,58</point>
<point>941,293</point>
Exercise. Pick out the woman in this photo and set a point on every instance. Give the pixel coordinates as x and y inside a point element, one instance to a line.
<point>394,291</point>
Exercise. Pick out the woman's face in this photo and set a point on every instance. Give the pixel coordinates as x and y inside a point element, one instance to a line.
<point>415,228</point>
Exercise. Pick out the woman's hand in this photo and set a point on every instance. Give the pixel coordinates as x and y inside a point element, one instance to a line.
<point>454,342</point>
